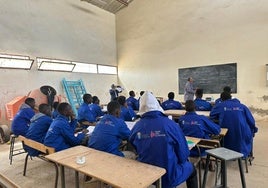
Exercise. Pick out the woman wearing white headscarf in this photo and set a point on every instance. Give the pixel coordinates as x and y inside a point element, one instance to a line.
<point>160,141</point>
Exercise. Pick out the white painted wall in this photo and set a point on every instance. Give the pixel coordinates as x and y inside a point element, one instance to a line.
<point>155,38</point>
<point>61,29</point>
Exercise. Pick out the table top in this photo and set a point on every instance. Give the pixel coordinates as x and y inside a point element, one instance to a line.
<point>224,153</point>
<point>192,141</point>
<point>111,169</point>
<point>177,113</point>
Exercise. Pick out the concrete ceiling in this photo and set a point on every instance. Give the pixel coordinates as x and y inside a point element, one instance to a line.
<point>112,6</point>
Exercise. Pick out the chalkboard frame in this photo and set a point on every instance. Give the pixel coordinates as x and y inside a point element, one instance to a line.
<point>211,78</point>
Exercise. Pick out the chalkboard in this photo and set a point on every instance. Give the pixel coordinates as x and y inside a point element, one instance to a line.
<point>211,78</point>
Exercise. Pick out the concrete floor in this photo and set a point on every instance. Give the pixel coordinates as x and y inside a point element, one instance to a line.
<point>41,174</point>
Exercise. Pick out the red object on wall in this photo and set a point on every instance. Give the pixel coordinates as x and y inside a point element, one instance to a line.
<point>13,106</point>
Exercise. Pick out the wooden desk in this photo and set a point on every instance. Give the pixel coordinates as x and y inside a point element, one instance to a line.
<point>177,113</point>
<point>192,139</point>
<point>111,169</point>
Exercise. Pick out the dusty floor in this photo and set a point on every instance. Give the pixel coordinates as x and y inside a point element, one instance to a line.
<point>41,174</point>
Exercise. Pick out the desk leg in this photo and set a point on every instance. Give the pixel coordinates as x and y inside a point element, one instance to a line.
<point>206,172</point>
<point>62,175</point>
<point>224,174</point>
<point>242,173</point>
<point>76,179</point>
<point>159,183</point>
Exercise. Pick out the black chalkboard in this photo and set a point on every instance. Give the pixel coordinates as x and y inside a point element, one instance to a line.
<point>211,78</point>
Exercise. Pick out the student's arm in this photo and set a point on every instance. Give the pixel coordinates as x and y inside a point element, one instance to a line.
<point>180,144</point>
<point>250,120</point>
<point>124,131</point>
<point>68,134</point>
<point>209,127</point>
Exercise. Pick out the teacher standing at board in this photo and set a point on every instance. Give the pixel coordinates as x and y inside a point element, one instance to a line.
<point>189,90</point>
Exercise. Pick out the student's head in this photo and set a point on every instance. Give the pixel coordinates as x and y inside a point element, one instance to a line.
<point>45,109</point>
<point>227,89</point>
<point>30,101</point>
<point>171,95</point>
<point>225,96</point>
<point>141,93</point>
<point>113,86</point>
<point>87,98</point>
<point>95,100</point>
<point>114,108</point>
<point>65,109</point>
<point>131,93</point>
<point>199,93</point>
<point>189,106</point>
<point>148,103</point>
<point>55,105</point>
<point>121,100</point>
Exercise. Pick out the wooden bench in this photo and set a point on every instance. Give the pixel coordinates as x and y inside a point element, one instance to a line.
<point>45,150</point>
<point>7,183</point>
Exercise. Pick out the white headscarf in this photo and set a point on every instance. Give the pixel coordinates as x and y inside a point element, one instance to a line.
<point>149,103</point>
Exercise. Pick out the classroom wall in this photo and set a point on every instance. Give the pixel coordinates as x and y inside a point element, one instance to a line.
<point>155,38</point>
<point>61,29</point>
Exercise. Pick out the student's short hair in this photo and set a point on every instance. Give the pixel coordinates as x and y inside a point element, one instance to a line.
<point>86,97</point>
<point>43,108</point>
<point>199,93</point>
<point>131,93</point>
<point>141,93</point>
<point>121,100</point>
<point>95,99</point>
<point>29,100</point>
<point>55,105</point>
<point>189,79</point>
<point>62,107</point>
<point>171,95</point>
<point>112,107</point>
<point>225,96</point>
<point>189,106</point>
<point>227,89</point>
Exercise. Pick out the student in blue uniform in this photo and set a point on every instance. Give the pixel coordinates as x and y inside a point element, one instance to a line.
<point>38,127</point>
<point>95,108</point>
<point>127,113</point>
<point>201,104</point>
<point>239,121</point>
<point>132,101</point>
<point>55,112</point>
<point>171,104</point>
<point>197,126</point>
<point>21,121</point>
<point>85,116</point>
<point>60,134</point>
<point>228,90</point>
<point>110,131</point>
<point>160,141</point>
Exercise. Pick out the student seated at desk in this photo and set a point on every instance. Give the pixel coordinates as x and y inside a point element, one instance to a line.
<point>38,127</point>
<point>95,108</point>
<point>85,116</point>
<point>127,113</point>
<point>198,126</point>
<point>228,90</point>
<point>110,131</point>
<point>132,102</point>
<point>171,104</point>
<point>239,121</point>
<point>201,104</point>
<point>160,141</point>
<point>61,132</point>
<point>22,119</point>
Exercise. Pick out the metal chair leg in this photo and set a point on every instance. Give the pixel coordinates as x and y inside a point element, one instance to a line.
<point>25,164</point>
